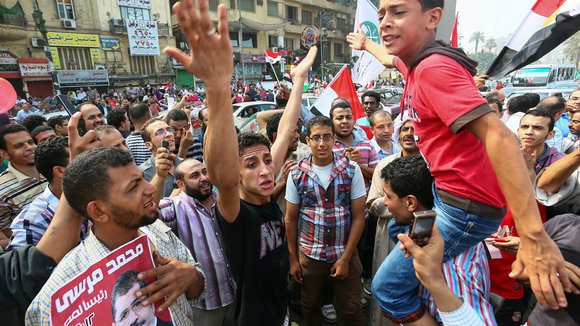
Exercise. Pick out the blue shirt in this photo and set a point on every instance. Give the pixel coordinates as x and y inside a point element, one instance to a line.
<point>381,153</point>
<point>562,124</point>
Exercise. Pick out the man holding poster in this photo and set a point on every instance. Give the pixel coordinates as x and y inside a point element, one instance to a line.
<point>105,185</point>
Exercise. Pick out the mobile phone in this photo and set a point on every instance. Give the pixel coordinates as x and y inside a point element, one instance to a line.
<point>422,226</point>
<point>165,143</point>
<point>68,106</point>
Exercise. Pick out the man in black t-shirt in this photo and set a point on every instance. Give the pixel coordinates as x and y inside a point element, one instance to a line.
<point>250,221</point>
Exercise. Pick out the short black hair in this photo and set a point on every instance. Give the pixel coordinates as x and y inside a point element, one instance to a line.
<point>281,102</point>
<point>86,178</point>
<point>430,4</point>
<point>250,139</point>
<point>33,121</point>
<point>272,125</point>
<point>176,115</point>
<point>493,95</point>
<point>534,99</point>
<point>7,130</point>
<point>339,103</point>
<point>200,113</point>
<point>496,102</point>
<point>518,104</point>
<point>138,112</point>
<point>552,104</point>
<point>179,175</point>
<point>409,175</point>
<point>50,153</point>
<point>122,285</point>
<point>371,94</point>
<point>319,120</point>
<point>56,120</point>
<point>115,117</point>
<point>542,113</point>
<point>38,130</point>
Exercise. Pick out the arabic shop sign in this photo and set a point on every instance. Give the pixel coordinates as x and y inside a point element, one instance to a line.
<point>143,37</point>
<point>82,77</point>
<point>111,44</point>
<point>34,67</point>
<point>70,39</point>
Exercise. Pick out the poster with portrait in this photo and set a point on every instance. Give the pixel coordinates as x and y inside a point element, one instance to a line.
<point>104,294</point>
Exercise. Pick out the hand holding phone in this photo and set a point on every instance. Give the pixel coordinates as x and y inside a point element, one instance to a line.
<point>165,144</point>
<point>422,226</point>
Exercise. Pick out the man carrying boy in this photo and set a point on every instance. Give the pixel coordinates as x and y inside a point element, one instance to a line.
<point>326,194</point>
<point>472,156</point>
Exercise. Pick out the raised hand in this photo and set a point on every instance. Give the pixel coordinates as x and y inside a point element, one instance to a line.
<point>78,144</point>
<point>357,40</point>
<point>301,70</point>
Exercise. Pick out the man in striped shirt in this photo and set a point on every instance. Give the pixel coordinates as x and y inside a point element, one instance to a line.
<point>191,216</point>
<point>139,114</point>
<point>21,183</point>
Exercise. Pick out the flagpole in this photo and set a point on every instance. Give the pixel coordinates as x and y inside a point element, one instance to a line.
<point>275,75</point>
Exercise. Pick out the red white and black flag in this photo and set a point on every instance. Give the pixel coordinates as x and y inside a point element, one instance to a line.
<point>547,25</point>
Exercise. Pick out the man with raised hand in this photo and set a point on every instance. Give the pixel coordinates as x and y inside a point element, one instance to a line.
<point>249,218</point>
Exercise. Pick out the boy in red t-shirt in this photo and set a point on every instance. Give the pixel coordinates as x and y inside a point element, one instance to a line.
<point>471,155</point>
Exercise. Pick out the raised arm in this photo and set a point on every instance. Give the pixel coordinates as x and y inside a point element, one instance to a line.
<point>210,58</point>
<point>557,173</point>
<point>359,41</point>
<point>538,253</point>
<point>289,119</point>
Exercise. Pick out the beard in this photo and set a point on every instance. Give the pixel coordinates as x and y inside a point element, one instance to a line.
<point>125,218</point>
<point>196,193</point>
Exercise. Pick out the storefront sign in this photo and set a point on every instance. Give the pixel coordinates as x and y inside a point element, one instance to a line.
<point>254,58</point>
<point>111,44</point>
<point>96,56</point>
<point>143,37</point>
<point>82,77</point>
<point>34,67</point>
<point>8,66</point>
<point>145,4</point>
<point>70,39</point>
<point>55,57</point>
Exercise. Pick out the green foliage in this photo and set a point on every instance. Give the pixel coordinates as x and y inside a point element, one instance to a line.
<point>477,37</point>
<point>484,59</point>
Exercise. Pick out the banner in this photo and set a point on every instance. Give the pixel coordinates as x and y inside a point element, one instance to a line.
<point>340,86</point>
<point>365,67</point>
<point>145,4</point>
<point>143,38</point>
<point>547,25</point>
<point>34,67</point>
<point>104,294</point>
<point>70,39</point>
<point>82,77</point>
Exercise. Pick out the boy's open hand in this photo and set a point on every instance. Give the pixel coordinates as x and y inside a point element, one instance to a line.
<point>301,70</point>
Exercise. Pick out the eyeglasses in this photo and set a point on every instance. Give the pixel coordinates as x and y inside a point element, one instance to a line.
<point>162,132</point>
<point>326,138</point>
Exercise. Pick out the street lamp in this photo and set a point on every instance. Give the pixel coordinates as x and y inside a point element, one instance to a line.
<point>40,24</point>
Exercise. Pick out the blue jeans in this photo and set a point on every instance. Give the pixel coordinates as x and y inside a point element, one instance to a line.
<point>395,284</point>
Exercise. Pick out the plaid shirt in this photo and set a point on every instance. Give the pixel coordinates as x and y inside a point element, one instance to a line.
<point>31,224</point>
<point>16,191</point>
<point>368,155</point>
<point>194,225</point>
<point>324,217</point>
<point>91,250</point>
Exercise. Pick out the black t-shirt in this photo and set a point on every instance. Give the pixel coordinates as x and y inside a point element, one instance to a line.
<point>257,250</point>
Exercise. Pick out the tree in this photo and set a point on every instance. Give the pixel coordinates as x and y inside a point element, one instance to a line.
<point>484,60</point>
<point>572,48</point>
<point>490,45</point>
<point>477,37</point>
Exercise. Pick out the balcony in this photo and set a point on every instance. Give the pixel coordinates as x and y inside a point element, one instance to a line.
<point>12,27</point>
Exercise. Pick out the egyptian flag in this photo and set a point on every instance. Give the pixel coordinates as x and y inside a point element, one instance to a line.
<point>273,57</point>
<point>287,77</point>
<point>549,23</point>
<point>340,86</point>
<point>454,38</point>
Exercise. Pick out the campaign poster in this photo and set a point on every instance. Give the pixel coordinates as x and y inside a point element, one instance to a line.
<point>104,294</point>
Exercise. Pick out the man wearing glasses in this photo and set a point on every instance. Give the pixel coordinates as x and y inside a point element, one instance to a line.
<point>159,169</point>
<point>186,146</point>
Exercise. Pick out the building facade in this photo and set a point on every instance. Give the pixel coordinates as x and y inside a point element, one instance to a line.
<point>99,43</point>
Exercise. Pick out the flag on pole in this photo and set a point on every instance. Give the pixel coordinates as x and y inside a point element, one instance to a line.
<point>340,86</point>
<point>273,57</point>
<point>365,66</point>
<point>454,39</point>
<point>287,77</point>
<point>547,25</point>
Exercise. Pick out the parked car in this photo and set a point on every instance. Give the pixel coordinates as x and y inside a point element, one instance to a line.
<point>246,109</point>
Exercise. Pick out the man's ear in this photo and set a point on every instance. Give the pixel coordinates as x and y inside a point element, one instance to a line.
<point>181,185</point>
<point>434,16</point>
<point>4,154</point>
<point>98,212</point>
<point>412,202</point>
<point>149,145</point>
<point>58,171</point>
<point>551,134</point>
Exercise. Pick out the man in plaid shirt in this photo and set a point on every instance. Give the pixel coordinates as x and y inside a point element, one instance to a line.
<point>325,198</point>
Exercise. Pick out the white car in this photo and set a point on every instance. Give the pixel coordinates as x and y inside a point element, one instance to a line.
<point>246,109</point>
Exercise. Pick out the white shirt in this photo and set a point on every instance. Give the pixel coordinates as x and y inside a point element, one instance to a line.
<point>513,122</point>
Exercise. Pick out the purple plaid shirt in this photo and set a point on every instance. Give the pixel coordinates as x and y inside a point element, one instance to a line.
<point>194,226</point>
<point>324,217</point>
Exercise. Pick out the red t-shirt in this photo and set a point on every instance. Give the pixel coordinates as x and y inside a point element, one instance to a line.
<point>499,269</point>
<point>442,98</point>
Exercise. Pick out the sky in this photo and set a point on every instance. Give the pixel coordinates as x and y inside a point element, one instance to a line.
<point>495,18</point>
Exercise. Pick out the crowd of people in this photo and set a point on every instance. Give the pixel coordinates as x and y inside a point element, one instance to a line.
<point>324,203</point>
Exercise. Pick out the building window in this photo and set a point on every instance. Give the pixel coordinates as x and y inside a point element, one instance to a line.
<point>272,9</point>
<point>65,9</point>
<point>135,13</point>
<point>306,17</point>
<point>142,64</point>
<point>338,49</point>
<point>213,4</point>
<point>292,14</point>
<point>289,43</point>
<point>250,40</point>
<point>75,58</point>
<point>247,5</point>
<point>272,41</point>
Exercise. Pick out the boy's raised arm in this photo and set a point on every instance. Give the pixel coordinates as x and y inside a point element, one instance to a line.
<point>210,59</point>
